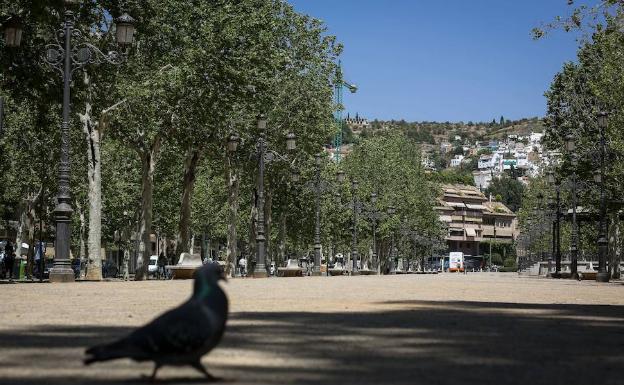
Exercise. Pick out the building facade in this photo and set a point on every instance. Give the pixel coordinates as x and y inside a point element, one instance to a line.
<point>473,220</point>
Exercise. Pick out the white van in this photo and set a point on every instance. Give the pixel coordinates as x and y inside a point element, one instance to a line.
<point>152,268</point>
<point>456,261</point>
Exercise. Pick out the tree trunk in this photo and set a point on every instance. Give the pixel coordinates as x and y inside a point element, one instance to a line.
<point>282,237</point>
<point>253,223</point>
<point>21,225</point>
<point>268,212</point>
<point>188,185</point>
<point>232,181</point>
<point>148,167</point>
<point>616,247</point>
<point>94,174</point>
<point>94,133</point>
<point>30,256</point>
<point>82,247</point>
<point>26,228</point>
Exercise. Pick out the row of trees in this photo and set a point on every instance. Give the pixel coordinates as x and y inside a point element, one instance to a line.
<point>150,155</point>
<point>577,94</point>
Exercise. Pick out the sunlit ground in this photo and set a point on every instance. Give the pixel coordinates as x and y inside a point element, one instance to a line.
<point>444,329</point>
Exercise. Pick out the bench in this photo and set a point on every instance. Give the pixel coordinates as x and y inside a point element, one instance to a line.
<point>292,269</point>
<point>186,267</point>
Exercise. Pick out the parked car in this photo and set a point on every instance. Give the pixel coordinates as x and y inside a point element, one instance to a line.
<point>109,269</point>
<point>152,268</point>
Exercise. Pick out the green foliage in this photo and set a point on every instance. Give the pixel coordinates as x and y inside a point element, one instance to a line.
<point>508,191</point>
<point>390,165</point>
<point>453,176</point>
<point>510,265</point>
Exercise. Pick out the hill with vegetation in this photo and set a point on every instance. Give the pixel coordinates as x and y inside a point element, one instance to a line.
<point>438,132</point>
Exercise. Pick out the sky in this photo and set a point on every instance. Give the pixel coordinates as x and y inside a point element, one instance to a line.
<point>445,60</point>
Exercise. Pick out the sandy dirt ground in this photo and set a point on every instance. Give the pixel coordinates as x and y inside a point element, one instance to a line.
<point>481,328</point>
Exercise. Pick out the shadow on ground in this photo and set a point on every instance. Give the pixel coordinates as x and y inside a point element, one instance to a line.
<point>413,342</point>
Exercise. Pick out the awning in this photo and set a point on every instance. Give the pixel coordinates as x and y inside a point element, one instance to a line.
<point>471,232</point>
<point>476,207</point>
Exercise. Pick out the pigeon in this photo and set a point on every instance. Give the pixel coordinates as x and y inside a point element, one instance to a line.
<point>181,336</point>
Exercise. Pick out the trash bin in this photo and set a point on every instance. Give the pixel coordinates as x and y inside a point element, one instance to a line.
<point>22,269</point>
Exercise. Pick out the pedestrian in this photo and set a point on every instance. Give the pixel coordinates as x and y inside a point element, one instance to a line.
<point>38,260</point>
<point>242,265</point>
<point>125,267</point>
<point>9,259</point>
<point>162,262</point>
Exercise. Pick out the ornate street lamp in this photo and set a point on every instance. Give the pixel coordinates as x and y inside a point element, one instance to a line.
<point>68,58</point>
<point>373,215</point>
<point>264,156</point>
<point>233,142</point>
<point>1,117</point>
<point>13,32</point>
<point>570,143</point>
<point>340,176</point>
<point>571,147</point>
<point>295,176</point>
<point>291,144</point>
<point>556,235</point>
<point>356,207</point>
<point>260,269</point>
<point>125,29</point>
<point>393,263</point>
<point>599,177</point>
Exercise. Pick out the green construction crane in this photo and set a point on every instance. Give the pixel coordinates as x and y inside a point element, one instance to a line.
<point>339,85</point>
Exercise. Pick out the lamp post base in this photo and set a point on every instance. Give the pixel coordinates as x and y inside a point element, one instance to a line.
<point>602,276</point>
<point>260,271</point>
<point>316,271</point>
<point>61,275</point>
<point>260,274</point>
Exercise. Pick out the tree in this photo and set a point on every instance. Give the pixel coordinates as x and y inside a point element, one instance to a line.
<point>509,190</point>
<point>390,166</point>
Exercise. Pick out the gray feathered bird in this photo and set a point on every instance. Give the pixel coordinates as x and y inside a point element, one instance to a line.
<point>180,336</point>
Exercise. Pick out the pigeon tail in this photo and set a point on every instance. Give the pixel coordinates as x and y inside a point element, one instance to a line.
<point>119,349</point>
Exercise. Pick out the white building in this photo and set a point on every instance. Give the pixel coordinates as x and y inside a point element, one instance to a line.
<point>486,162</point>
<point>457,160</point>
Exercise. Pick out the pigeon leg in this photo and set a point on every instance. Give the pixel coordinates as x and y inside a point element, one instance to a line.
<point>203,370</point>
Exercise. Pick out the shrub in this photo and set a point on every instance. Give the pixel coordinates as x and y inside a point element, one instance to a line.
<point>509,262</point>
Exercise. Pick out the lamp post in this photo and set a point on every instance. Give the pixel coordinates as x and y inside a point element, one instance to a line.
<point>317,218</point>
<point>67,58</point>
<point>319,186</point>
<point>556,232</point>
<point>603,245</point>
<point>260,267</point>
<point>264,156</point>
<point>373,215</point>
<point>571,146</point>
<point>393,262</point>
<point>354,234</point>
<point>232,183</point>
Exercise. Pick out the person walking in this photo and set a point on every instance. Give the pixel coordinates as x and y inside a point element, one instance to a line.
<point>9,259</point>
<point>242,265</point>
<point>162,262</point>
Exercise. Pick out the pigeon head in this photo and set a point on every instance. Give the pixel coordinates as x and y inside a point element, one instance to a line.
<point>207,277</point>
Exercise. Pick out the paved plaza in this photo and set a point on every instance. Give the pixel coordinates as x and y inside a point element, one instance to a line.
<point>447,329</point>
